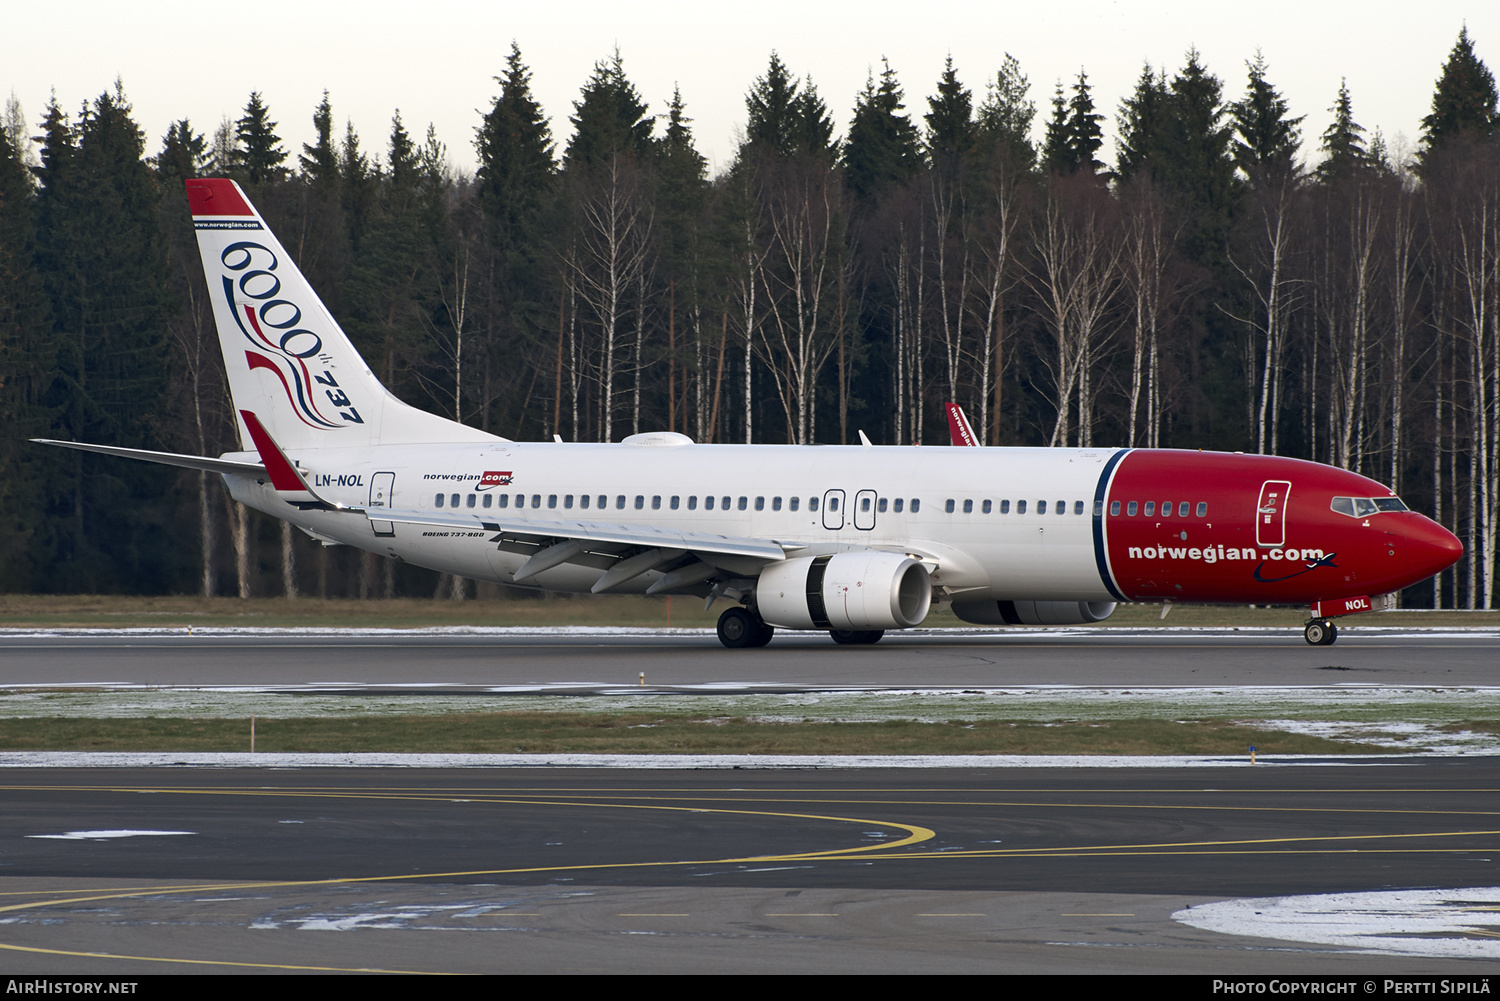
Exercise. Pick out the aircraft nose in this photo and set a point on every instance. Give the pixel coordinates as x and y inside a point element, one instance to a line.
<point>1430,548</point>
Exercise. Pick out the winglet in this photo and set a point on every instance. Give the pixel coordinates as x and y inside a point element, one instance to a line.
<point>286,478</point>
<point>959,431</point>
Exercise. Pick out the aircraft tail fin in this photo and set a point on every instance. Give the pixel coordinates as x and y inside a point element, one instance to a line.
<point>959,431</point>
<point>287,359</point>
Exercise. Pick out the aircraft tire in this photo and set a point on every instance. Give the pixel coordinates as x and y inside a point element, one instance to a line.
<point>740,628</point>
<point>856,637</point>
<point>1320,632</point>
<point>764,635</point>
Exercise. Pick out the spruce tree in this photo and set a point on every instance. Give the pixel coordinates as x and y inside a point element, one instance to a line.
<point>184,154</point>
<point>1057,151</point>
<point>26,362</point>
<point>1142,124</point>
<point>1267,143</point>
<point>101,254</point>
<point>883,150</point>
<point>258,153</point>
<point>320,161</point>
<point>1464,103</point>
<point>772,110</point>
<point>1084,134</point>
<point>950,124</point>
<point>1343,150</point>
<point>609,118</point>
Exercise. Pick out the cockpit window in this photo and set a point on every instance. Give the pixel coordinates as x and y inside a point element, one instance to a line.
<point>1363,507</point>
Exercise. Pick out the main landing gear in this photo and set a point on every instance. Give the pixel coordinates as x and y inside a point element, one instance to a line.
<point>740,627</point>
<point>1320,632</point>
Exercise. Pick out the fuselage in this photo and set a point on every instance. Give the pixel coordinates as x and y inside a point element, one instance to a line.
<point>1003,524</point>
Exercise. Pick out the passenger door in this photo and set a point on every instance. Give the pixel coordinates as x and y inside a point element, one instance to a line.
<point>864,510</point>
<point>381,487</point>
<point>833,510</point>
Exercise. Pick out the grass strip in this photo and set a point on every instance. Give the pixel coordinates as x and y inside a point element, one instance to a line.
<point>648,733</point>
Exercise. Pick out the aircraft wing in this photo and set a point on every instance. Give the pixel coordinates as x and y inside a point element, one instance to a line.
<point>587,532</point>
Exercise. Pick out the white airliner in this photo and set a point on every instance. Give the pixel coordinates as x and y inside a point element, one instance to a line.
<point>854,540</point>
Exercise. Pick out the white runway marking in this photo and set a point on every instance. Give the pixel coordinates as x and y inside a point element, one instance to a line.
<point>105,835</point>
<point>1459,924</point>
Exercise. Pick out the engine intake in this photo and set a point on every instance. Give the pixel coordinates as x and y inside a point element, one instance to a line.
<point>856,590</point>
<point>1033,613</point>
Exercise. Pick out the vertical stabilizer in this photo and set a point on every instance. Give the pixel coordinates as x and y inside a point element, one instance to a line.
<point>287,359</point>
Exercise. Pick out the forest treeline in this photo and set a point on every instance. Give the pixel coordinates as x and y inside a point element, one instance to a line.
<point>1210,288</point>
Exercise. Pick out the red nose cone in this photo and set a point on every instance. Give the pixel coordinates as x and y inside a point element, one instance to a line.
<point>1430,548</point>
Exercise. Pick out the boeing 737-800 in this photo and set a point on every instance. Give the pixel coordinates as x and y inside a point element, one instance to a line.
<point>854,540</point>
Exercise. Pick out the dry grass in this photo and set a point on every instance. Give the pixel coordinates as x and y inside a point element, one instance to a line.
<point>644,733</point>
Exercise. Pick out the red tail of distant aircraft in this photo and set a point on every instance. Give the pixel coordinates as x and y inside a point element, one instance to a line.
<point>851,540</point>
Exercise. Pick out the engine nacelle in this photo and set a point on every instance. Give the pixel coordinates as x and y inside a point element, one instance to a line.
<point>855,590</point>
<point>1033,613</point>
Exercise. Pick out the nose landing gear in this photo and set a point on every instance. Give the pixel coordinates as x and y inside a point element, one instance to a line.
<point>1320,632</point>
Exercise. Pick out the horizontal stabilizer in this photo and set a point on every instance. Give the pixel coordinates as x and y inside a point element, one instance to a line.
<point>202,462</point>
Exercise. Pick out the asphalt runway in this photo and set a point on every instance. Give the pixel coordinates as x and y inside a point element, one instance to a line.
<point>127,871</point>
<point>1192,658</point>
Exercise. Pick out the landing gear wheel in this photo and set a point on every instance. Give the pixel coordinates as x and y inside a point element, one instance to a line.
<point>740,628</point>
<point>856,637</point>
<point>1320,632</point>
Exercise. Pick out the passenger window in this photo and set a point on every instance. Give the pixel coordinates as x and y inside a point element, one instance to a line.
<point>619,502</point>
<point>1114,509</point>
<point>1078,507</point>
<point>674,501</point>
<point>453,501</point>
<point>470,501</point>
<point>1182,509</point>
<point>1203,509</point>
<point>504,500</point>
<point>439,502</point>
<point>743,503</point>
<point>775,503</point>
<point>1020,507</point>
<point>536,500</point>
<point>916,505</point>
<point>603,502</point>
<point>812,503</point>
<point>1041,507</point>
<point>693,502</point>
<point>724,503</point>
<point>986,507</point>
<point>488,500</point>
<point>1130,509</point>
<point>968,507</point>
<point>640,502</point>
<point>708,503</point>
<point>760,503</point>
<point>880,505</point>
<point>900,502</point>
<point>1005,507</point>
<point>583,501</point>
<point>1150,508</point>
<point>568,501</point>
<point>792,502</point>
<point>833,503</point>
<point>552,500</point>
<point>948,507</point>
<point>655,502</point>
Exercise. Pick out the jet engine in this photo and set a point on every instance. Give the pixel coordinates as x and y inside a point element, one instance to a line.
<point>1033,613</point>
<point>861,590</point>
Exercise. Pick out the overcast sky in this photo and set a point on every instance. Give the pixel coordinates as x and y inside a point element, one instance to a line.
<point>437,61</point>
